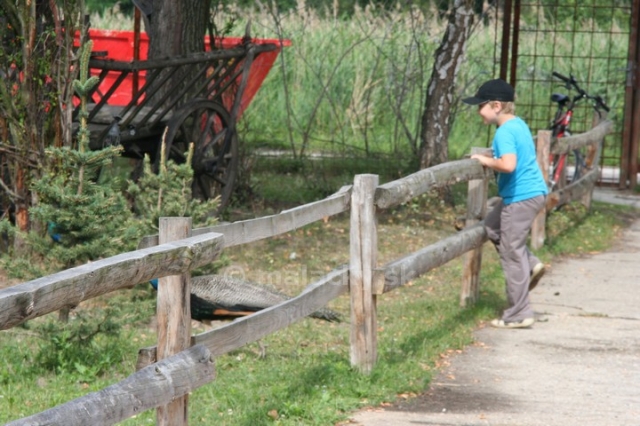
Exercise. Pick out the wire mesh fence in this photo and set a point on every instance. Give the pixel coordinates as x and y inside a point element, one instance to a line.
<point>589,40</point>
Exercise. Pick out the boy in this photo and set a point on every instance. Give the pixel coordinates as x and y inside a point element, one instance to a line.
<point>523,192</point>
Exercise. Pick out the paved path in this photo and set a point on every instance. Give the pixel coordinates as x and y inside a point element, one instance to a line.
<point>578,366</point>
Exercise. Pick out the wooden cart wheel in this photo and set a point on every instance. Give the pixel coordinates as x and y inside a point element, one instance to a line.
<point>215,157</point>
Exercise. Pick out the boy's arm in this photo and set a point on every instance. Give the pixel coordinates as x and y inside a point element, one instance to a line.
<point>504,164</point>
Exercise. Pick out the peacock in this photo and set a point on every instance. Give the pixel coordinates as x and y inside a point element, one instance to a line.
<point>218,297</point>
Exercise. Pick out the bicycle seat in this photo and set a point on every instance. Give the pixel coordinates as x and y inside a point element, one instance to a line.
<point>559,98</point>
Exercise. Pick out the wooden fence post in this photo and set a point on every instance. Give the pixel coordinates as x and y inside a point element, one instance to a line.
<point>594,150</point>
<point>593,157</point>
<point>543,149</point>
<point>476,211</point>
<point>363,257</point>
<point>174,318</point>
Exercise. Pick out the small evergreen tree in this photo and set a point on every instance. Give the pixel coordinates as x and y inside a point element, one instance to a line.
<point>84,220</point>
<point>168,193</point>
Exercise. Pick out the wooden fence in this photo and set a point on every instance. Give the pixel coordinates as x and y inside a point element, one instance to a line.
<point>187,362</point>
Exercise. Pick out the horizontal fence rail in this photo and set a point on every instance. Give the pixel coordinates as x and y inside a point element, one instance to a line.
<point>254,327</point>
<point>593,136</point>
<point>156,384</point>
<point>573,191</point>
<point>440,176</point>
<point>72,286</point>
<point>413,265</point>
<point>247,231</point>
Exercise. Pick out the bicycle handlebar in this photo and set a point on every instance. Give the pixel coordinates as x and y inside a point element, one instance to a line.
<point>571,82</point>
<point>563,78</point>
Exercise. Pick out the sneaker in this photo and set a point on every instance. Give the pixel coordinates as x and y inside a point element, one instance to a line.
<point>525,323</point>
<point>536,273</point>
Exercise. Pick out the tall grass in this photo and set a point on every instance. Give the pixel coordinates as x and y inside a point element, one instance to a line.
<point>356,86</point>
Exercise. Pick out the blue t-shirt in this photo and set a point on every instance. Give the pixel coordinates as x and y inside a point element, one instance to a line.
<point>526,181</point>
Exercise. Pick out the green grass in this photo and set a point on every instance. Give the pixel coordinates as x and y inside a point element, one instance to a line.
<point>572,229</point>
<point>306,377</point>
<point>282,181</point>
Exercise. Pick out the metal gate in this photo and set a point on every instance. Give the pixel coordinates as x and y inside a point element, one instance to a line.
<point>597,42</point>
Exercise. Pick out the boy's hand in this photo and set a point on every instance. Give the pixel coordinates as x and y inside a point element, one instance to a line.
<point>504,164</point>
<point>481,158</point>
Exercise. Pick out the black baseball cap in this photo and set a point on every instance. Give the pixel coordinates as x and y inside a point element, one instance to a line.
<point>492,90</point>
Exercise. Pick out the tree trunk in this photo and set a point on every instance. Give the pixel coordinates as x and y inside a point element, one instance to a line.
<point>177,28</point>
<point>440,91</point>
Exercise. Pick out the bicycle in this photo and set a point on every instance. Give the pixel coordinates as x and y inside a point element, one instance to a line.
<point>560,128</point>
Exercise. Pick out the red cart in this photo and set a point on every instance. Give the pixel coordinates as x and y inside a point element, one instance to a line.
<point>219,84</point>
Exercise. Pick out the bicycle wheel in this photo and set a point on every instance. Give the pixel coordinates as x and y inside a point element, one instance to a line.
<point>215,158</point>
<point>579,167</point>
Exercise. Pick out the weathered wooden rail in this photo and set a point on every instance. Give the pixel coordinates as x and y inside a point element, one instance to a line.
<point>164,383</point>
<point>72,286</point>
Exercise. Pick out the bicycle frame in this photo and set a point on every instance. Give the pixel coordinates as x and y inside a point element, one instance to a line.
<point>560,126</point>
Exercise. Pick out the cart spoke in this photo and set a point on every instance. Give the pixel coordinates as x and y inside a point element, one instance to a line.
<point>220,180</point>
<point>177,154</point>
<point>205,187</point>
<point>215,159</point>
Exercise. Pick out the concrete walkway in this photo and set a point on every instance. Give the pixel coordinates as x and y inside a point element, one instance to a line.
<point>578,365</point>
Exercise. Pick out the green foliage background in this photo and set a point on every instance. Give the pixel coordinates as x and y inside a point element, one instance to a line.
<point>354,86</point>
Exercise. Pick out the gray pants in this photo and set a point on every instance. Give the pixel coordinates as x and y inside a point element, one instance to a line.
<point>508,228</point>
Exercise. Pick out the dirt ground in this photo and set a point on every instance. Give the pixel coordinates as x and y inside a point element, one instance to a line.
<point>6,281</point>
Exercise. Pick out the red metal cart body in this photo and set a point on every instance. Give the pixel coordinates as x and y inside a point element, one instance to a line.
<point>120,46</point>
<point>139,104</point>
